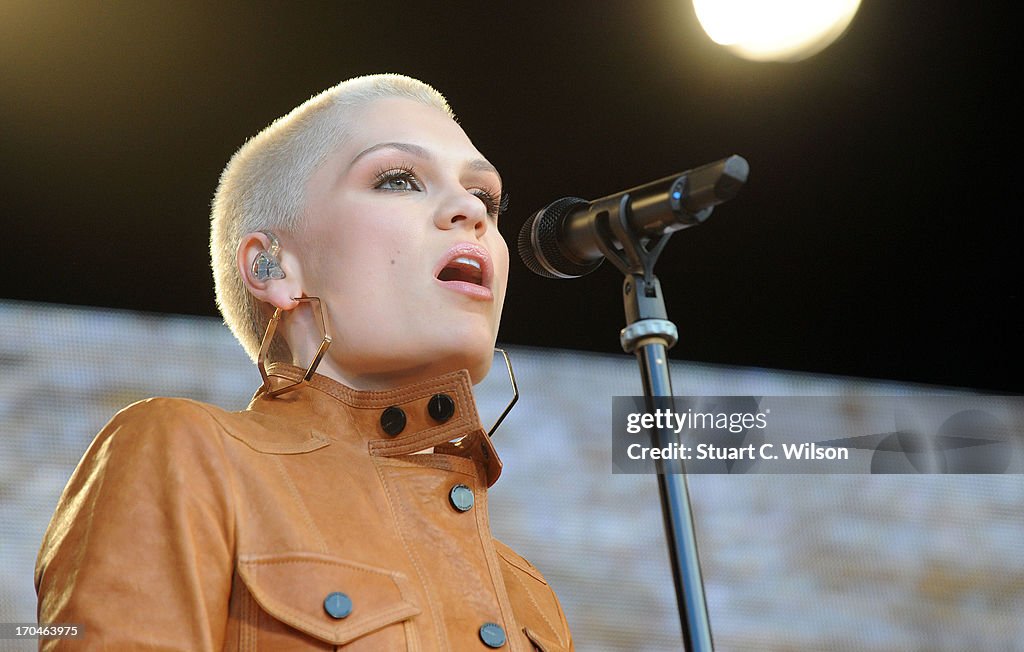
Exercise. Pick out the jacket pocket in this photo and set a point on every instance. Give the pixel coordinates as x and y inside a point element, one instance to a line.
<point>293,588</point>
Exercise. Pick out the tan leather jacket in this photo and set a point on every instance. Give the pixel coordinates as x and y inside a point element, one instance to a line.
<point>296,524</point>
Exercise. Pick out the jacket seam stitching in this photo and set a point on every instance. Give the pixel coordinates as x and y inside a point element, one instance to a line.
<point>494,569</point>
<point>306,516</point>
<point>436,617</point>
<point>529,594</point>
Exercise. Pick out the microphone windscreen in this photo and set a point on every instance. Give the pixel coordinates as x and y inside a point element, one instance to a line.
<point>539,242</point>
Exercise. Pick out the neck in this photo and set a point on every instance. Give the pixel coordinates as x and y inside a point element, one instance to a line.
<point>378,381</point>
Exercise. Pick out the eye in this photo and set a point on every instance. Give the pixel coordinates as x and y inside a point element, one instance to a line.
<point>495,205</point>
<point>400,179</point>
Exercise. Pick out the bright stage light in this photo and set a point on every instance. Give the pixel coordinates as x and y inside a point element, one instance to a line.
<point>775,30</point>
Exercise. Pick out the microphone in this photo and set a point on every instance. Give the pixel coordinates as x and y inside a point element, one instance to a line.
<point>564,239</point>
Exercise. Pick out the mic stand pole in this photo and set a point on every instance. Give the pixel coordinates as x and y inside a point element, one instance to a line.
<point>649,334</point>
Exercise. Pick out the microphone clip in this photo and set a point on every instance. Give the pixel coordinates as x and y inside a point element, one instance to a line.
<point>646,316</point>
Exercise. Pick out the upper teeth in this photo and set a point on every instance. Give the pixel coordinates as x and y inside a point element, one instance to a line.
<point>467,261</point>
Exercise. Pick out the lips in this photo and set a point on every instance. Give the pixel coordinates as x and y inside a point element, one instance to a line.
<point>466,268</point>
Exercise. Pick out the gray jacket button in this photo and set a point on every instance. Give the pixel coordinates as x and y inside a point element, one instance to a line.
<point>461,497</point>
<point>338,605</point>
<point>492,635</point>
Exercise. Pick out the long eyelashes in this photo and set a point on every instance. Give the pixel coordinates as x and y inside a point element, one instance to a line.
<point>402,174</point>
<point>495,206</point>
<point>402,178</point>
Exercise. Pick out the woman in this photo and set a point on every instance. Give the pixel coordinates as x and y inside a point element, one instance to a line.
<point>346,507</point>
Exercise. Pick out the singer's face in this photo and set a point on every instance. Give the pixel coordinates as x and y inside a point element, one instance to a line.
<point>401,241</point>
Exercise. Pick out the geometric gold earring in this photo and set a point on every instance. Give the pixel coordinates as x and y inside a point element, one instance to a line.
<point>268,336</point>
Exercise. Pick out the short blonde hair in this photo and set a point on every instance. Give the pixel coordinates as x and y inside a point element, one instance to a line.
<point>263,186</point>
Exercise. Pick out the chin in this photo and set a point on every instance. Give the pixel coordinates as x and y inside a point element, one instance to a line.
<point>476,360</point>
<point>462,344</point>
<point>478,372</point>
<point>474,353</point>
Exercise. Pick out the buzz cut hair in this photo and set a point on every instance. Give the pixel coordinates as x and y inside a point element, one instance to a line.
<point>263,186</point>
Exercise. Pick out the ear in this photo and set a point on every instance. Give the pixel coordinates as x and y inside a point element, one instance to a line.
<point>279,293</point>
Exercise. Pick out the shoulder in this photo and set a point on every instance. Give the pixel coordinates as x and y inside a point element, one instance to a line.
<point>152,495</point>
<point>167,412</point>
<point>184,423</point>
<point>151,458</point>
<point>169,421</point>
<point>143,441</point>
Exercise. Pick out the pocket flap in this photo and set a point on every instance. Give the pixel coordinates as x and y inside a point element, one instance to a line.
<point>543,644</point>
<point>292,587</point>
<point>512,558</point>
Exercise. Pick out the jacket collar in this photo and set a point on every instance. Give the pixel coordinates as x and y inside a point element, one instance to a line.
<point>346,413</point>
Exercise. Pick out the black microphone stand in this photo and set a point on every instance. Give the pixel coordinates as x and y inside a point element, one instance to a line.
<point>649,334</point>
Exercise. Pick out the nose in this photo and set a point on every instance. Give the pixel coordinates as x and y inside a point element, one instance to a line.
<point>464,210</point>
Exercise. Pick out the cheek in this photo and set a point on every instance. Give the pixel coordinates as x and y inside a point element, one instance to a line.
<point>500,261</point>
<point>361,251</point>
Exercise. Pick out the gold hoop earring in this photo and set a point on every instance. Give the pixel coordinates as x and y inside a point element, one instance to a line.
<point>515,392</point>
<point>268,337</point>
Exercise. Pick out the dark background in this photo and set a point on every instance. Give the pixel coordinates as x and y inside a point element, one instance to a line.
<point>878,235</point>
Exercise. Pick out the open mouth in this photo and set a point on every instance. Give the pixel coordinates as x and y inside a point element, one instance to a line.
<point>464,269</point>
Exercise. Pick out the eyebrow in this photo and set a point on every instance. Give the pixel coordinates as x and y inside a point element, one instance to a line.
<point>477,165</point>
